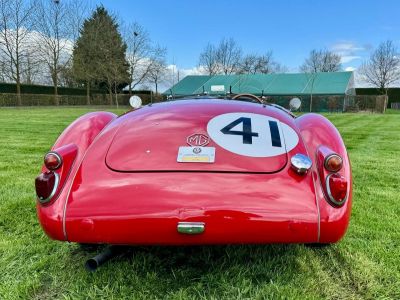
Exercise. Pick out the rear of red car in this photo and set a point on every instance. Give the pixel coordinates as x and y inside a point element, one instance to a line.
<point>202,172</point>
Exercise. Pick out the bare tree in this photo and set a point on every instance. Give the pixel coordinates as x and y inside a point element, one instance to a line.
<point>222,59</point>
<point>208,60</point>
<point>139,55</point>
<point>248,64</point>
<point>259,64</point>
<point>55,39</point>
<point>32,66</point>
<point>158,68</point>
<point>3,68</point>
<point>15,26</point>
<point>78,11</point>
<point>228,56</point>
<point>383,67</point>
<point>321,61</point>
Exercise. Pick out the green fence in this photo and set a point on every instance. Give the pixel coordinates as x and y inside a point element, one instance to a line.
<point>48,100</point>
<point>334,103</point>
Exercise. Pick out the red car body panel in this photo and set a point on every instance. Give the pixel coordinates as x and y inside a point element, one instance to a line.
<point>82,133</point>
<point>126,186</point>
<point>316,131</point>
<point>149,141</point>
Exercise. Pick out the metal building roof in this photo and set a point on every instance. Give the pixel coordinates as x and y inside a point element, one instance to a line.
<point>332,83</point>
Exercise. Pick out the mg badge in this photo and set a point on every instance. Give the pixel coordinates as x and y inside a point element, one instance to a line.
<point>198,140</point>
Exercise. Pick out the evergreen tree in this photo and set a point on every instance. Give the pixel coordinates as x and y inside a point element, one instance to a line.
<point>99,54</point>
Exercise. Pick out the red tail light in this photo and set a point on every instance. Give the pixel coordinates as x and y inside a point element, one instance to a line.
<point>336,186</point>
<point>333,163</point>
<point>58,163</point>
<point>52,161</point>
<point>330,169</point>
<point>46,186</point>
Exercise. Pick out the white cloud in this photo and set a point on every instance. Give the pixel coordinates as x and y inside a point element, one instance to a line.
<point>346,47</point>
<point>175,74</point>
<point>185,72</point>
<point>344,59</point>
<point>348,51</point>
<point>35,52</point>
<point>349,69</point>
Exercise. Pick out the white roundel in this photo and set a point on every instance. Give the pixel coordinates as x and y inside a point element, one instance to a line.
<point>251,134</point>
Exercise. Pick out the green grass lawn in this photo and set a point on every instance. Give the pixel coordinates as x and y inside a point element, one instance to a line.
<point>364,265</point>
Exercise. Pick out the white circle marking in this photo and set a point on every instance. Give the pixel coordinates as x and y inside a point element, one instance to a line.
<point>261,145</point>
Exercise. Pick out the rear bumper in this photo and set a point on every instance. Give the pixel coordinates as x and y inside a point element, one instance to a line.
<point>145,208</point>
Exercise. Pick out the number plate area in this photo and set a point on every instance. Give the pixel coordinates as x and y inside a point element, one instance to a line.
<point>196,155</point>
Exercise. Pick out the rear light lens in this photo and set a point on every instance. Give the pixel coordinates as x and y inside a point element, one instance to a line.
<point>336,186</point>
<point>52,161</point>
<point>57,167</point>
<point>333,163</point>
<point>46,186</point>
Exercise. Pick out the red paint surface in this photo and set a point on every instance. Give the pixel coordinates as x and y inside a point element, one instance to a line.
<point>81,132</point>
<point>104,206</point>
<point>317,131</point>
<point>149,140</point>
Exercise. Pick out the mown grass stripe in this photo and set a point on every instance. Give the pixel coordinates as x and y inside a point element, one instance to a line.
<point>364,265</point>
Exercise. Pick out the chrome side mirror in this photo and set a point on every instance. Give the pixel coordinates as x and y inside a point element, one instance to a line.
<point>135,102</point>
<point>294,104</point>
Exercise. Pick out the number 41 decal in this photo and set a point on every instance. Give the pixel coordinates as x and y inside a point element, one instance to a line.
<point>248,135</point>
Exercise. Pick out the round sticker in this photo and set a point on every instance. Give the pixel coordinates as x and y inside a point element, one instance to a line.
<point>252,135</point>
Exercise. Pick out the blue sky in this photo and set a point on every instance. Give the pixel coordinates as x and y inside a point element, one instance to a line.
<point>289,28</point>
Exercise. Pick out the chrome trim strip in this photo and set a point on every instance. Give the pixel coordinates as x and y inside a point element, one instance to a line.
<point>56,182</point>
<point>190,227</point>
<point>328,191</point>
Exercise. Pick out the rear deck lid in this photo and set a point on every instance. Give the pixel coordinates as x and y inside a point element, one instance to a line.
<point>193,136</point>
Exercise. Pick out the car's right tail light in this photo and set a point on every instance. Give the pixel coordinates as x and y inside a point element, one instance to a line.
<point>336,188</point>
<point>57,166</point>
<point>330,168</point>
<point>333,163</point>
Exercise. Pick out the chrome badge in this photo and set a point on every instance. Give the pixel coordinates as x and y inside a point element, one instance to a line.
<point>198,140</point>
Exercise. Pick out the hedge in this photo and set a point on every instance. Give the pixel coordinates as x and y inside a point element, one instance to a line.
<point>11,88</point>
<point>46,100</point>
<point>393,93</point>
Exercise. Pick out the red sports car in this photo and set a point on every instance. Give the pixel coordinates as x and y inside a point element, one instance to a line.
<point>199,170</point>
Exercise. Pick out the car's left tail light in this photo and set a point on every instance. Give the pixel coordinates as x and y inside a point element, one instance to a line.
<point>52,160</point>
<point>334,183</point>
<point>57,166</point>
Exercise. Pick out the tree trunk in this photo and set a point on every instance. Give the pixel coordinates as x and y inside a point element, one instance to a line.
<point>19,100</point>
<point>110,96</point>
<point>88,92</point>
<point>56,100</point>
<point>116,95</point>
<point>55,84</point>
<point>130,83</point>
<point>156,88</point>
<point>18,82</point>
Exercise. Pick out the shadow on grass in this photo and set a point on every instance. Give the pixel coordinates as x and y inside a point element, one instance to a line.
<point>173,268</point>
